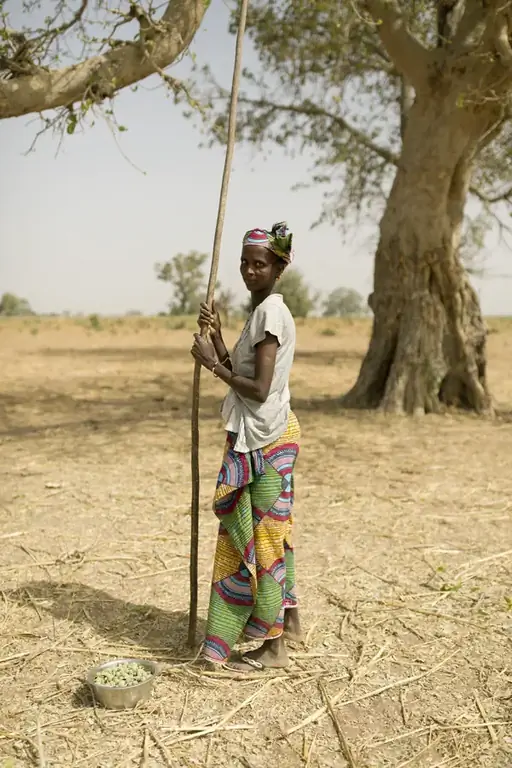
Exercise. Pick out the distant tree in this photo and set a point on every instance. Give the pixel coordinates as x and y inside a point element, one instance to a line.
<point>12,305</point>
<point>185,273</point>
<point>344,302</point>
<point>296,293</point>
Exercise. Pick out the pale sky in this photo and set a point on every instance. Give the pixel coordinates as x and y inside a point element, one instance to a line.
<point>81,231</point>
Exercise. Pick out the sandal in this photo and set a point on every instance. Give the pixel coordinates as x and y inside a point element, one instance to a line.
<point>257,666</point>
<point>252,665</point>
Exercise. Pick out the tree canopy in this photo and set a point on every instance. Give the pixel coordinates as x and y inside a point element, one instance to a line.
<point>185,273</point>
<point>338,79</point>
<point>406,109</point>
<point>80,53</point>
<point>14,306</point>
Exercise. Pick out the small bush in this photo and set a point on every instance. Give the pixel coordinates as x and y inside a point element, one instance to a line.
<point>94,322</point>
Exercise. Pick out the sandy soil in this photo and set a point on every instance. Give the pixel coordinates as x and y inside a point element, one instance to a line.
<point>404,546</point>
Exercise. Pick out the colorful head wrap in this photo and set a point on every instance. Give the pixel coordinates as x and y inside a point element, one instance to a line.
<point>278,240</point>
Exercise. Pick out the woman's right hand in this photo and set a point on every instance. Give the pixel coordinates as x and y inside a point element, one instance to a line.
<point>209,318</point>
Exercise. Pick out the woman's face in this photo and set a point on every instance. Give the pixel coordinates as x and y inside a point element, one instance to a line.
<point>259,268</point>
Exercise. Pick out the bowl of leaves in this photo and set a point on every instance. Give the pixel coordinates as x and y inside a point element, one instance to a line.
<point>122,683</point>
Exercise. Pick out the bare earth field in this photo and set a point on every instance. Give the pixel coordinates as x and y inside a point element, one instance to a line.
<point>404,548</point>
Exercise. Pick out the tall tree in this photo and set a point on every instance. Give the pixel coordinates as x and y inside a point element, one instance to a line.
<point>408,107</point>
<point>32,75</point>
<point>185,273</point>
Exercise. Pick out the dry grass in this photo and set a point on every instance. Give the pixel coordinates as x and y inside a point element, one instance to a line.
<point>404,555</point>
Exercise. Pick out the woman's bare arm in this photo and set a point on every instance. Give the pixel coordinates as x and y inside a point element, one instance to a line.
<point>256,389</point>
<point>222,351</point>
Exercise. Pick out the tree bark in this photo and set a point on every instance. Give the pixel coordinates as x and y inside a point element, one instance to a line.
<point>102,76</point>
<point>428,343</point>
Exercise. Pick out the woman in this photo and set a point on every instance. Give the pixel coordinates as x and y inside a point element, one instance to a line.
<point>253,590</point>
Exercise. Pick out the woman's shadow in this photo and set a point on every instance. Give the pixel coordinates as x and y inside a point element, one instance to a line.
<point>120,622</point>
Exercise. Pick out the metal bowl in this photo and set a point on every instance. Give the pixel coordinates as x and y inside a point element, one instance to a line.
<point>122,697</point>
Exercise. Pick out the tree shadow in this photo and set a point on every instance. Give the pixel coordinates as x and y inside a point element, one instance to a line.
<point>114,619</point>
<point>103,414</point>
<point>314,356</point>
<point>325,357</point>
<point>111,415</point>
<point>160,352</point>
<point>328,405</point>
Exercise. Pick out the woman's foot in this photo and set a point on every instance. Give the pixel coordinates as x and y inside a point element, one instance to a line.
<point>271,655</point>
<point>292,628</point>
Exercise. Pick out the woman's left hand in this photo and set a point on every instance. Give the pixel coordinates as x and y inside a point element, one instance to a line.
<point>204,352</point>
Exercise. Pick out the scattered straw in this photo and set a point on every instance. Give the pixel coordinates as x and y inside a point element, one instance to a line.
<point>490,728</point>
<point>151,574</point>
<point>310,632</point>
<point>311,751</point>
<point>418,503</point>
<point>145,750</point>
<point>438,615</point>
<point>14,657</point>
<point>12,535</point>
<point>209,752</point>
<point>225,720</point>
<point>467,567</point>
<point>162,749</point>
<point>398,683</point>
<point>39,742</point>
<point>435,727</point>
<point>426,748</point>
<point>344,745</point>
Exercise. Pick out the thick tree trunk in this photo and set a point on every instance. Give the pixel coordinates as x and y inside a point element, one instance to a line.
<point>428,343</point>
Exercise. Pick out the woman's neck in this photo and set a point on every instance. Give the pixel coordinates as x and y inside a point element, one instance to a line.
<point>259,296</point>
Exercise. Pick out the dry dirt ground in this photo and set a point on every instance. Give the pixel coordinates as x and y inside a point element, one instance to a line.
<point>404,546</point>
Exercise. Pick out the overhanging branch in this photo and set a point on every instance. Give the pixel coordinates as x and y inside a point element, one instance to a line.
<point>311,110</point>
<point>411,58</point>
<point>103,75</point>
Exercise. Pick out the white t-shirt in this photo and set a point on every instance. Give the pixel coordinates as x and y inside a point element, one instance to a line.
<point>259,424</point>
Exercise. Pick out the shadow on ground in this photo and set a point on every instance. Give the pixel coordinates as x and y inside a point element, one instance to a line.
<point>33,412</point>
<point>122,353</point>
<point>175,354</point>
<point>118,621</point>
<point>30,414</point>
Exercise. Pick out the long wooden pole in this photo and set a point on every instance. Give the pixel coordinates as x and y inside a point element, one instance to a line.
<point>194,507</point>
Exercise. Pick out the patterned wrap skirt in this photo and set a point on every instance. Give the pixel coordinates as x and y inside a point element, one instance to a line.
<point>254,569</point>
